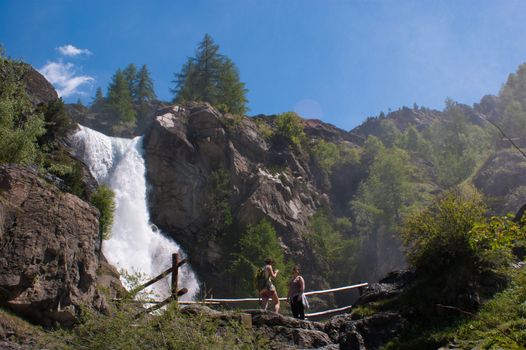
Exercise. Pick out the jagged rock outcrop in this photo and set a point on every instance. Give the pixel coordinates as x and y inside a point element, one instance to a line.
<point>37,87</point>
<point>49,264</point>
<point>186,146</point>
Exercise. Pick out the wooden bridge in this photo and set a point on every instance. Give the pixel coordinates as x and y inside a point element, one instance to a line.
<point>176,293</point>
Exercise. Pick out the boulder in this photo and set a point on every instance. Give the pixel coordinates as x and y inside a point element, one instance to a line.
<point>284,332</point>
<point>368,333</point>
<point>49,264</point>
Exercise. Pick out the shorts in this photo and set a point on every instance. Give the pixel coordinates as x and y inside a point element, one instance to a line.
<point>267,293</point>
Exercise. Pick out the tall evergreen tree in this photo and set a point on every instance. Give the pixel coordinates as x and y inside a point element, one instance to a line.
<point>98,100</point>
<point>211,77</point>
<point>120,99</point>
<point>144,89</point>
<point>130,73</point>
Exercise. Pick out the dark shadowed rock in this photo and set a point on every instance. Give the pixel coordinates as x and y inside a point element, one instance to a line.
<point>38,88</point>
<point>388,287</point>
<point>369,333</point>
<point>49,265</point>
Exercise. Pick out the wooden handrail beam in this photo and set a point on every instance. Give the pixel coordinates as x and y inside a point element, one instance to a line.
<point>328,312</point>
<point>150,282</point>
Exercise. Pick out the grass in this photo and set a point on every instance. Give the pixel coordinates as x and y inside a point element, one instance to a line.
<point>171,329</point>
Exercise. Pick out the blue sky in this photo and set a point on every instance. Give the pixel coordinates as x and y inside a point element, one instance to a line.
<point>339,61</point>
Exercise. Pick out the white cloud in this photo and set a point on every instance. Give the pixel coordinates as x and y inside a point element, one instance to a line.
<point>72,51</point>
<point>64,78</point>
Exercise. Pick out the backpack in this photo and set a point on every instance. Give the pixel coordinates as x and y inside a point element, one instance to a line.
<point>260,282</point>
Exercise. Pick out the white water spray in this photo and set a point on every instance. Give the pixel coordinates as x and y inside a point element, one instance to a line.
<point>135,244</point>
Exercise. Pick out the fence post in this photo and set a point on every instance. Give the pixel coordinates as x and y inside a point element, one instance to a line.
<point>175,274</point>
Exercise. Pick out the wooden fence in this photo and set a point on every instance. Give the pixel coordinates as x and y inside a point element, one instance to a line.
<point>175,292</point>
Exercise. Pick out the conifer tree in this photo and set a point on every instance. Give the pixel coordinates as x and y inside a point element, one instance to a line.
<point>120,99</point>
<point>98,100</point>
<point>130,73</point>
<point>211,77</point>
<point>144,89</point>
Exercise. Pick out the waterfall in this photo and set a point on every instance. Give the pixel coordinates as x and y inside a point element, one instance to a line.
<point>135,245</point>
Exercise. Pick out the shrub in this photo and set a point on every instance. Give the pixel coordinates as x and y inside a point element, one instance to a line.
<point>20,125</point>
<point>455,249</point>
<point>290,128</point>
<point>104,200</point>
<point>169,330</point>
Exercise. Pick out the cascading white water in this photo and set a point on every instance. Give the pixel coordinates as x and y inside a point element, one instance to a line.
<point>135,244</point>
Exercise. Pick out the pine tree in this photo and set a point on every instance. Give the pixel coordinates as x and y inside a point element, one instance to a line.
<point>130,73</point>
<point>144,90</point>
<point>98,100</point>
<point>211,77</point>
<point>120,99</point>
<point>232,90</point>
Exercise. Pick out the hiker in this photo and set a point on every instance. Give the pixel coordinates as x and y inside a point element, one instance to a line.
<point>296,296</point>
<point>269,290</point>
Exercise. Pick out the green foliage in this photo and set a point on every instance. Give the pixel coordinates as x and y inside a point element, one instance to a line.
<point>264,129</point>
<point>501,322</point>
<point>20,125</point>
<point>438,237</point>
<point>257,243</point>
<point>130,74</point>
<point>120,98</point>
<point>372,147</point>
<point>413,141</point>
<point>144,91</point>
<point>98,100</point>
<point>512,103</point>
<point>171,330</point>
<point>220,211</point>
<point>104,200</point>
<point>58,124</point>
<point>329,154</point>
<point>338,252</point>
<point>386,193</point>
<point>289,127</point>
<point>388,133</point>
<point>456,146</point>
<point>211,77</point>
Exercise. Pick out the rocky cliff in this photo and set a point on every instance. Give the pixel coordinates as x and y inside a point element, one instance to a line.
<point>187,146</point>
<point>49,263</point>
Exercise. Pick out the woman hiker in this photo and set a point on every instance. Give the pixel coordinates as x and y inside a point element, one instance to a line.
<point>296,298</point>
<point>269,292</point>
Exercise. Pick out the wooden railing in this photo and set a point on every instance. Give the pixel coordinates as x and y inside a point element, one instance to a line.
<point>176,293</point>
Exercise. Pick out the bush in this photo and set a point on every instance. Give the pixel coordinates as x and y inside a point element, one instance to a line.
<point>104,200</point>
<point>58,122</point>
<point>290,128</point>
<point>20,125</point>
<point>456,250</point>
<point>170,330</point>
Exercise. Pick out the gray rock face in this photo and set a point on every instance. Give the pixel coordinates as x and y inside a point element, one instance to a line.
<point>186,146</point>
<point>49,266</point>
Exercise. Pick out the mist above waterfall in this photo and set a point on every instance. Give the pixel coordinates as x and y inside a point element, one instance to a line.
<point>135,245</point>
